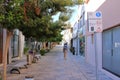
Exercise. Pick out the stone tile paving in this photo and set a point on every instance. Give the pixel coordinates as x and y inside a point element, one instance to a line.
<point>52,66</point>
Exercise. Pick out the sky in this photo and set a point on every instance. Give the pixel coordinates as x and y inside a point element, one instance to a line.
<point>73,17</point>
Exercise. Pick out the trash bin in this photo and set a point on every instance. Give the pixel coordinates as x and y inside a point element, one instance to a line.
<point>29,78</point>
<point>73,50</point>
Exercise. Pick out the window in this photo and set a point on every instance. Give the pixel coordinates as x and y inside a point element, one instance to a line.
<point>15,45</point>
<point>83,18</point>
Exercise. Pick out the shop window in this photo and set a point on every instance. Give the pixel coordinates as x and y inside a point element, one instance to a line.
<point>15,46</point>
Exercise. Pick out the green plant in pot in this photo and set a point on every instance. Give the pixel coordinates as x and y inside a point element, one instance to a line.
<point>26,53</point>
<point>42,52</point>
<point>26,50</point>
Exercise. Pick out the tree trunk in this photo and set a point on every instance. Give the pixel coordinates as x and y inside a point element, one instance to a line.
<point>5,55</point>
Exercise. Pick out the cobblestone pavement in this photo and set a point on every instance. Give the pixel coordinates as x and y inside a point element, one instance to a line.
<point>52,66</point>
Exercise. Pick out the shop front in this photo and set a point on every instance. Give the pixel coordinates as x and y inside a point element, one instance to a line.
<point>111,50</point>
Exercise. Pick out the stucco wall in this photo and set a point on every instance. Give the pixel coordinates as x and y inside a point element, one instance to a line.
<point>110,17</point>
<point>90,51</point>
<point>21,44</point>
<point>110,13</point>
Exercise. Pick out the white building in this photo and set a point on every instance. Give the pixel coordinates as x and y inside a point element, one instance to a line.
<point>75,39</point>
<point>104,47</point>
<point>67,35</point>
<point>16,46</point>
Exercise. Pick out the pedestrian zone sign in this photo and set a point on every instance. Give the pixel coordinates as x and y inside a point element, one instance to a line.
<point>95,21</point>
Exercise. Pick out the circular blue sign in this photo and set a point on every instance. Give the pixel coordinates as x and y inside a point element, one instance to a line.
<point>98,14</point>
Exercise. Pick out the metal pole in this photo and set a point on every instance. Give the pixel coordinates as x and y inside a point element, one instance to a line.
<point>96,57</point>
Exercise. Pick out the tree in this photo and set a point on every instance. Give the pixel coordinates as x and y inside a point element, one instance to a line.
<point>33,18</point>
<point>43,21</point>
<point>11,17</point>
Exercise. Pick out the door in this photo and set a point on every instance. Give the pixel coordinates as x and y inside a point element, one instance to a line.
<point>15,46</point>
<point>107,50</point>
<point>111,50</point>
<point>116,51</point>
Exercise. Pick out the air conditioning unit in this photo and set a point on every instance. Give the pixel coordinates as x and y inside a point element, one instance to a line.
<point>91,29</point>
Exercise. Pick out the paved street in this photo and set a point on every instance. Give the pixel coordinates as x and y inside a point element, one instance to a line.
<point>52,66</point>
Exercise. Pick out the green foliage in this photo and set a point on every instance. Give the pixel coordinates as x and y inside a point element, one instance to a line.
<point>12,15</point>
<point>52,33</point>
<point>2,17</point>
<point>42,52</point>
<point>64,17</point>
<point>39,26</point>
<point>78,1</point>
<point>26,50</point>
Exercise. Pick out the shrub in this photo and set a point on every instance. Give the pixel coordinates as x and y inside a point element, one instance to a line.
<point>25,50</point>
<point>42,52</point>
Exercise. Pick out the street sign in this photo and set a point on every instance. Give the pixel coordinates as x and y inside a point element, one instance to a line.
<point>98,14</point>
<point>95,21</point>
<point>95,25</point>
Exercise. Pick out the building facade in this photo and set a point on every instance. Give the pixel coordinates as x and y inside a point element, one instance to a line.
<point>79,32</point>
<point>104,47</point>
<point>16,46</point>
<point>75,39</point>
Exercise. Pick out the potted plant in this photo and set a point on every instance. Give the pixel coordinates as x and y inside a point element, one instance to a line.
<point>27,54</point>
<point>42,52</point>
<point>26,50</point>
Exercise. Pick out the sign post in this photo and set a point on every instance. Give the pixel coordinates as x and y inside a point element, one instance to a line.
<point>95,21</point>
<point>95,26</point>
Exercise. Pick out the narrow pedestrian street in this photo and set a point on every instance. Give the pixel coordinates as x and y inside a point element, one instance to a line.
<point>52,66</point>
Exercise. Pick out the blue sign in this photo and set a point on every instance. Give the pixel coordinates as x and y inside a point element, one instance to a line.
<point>98,14</point>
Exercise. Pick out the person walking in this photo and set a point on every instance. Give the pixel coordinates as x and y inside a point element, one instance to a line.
<point>65,50</point>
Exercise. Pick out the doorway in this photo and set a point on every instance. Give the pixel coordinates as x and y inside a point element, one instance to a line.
<point>111,50</point>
